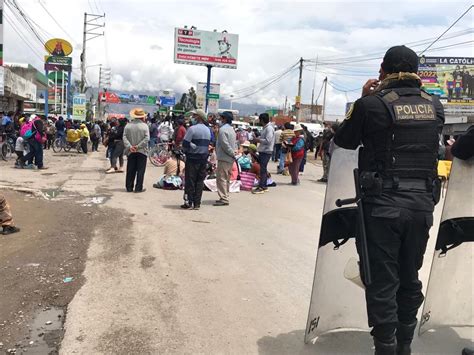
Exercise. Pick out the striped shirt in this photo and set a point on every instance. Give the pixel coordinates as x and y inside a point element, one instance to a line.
<point>196,143</point>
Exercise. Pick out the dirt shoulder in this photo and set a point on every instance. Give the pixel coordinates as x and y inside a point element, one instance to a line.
<point>41,268</point>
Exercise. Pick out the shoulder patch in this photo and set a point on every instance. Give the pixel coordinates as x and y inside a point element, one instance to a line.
<point>349,112</point>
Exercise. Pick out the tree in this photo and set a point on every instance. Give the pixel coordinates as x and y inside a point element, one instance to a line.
<point>192,97</point>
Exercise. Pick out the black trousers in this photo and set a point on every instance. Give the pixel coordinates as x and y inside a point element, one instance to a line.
<point>195,173</point>
<point>396,240</point>
<point>84,141</point>
<point>136,166</point>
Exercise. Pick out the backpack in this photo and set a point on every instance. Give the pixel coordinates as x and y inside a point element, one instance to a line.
<point>27,130</point>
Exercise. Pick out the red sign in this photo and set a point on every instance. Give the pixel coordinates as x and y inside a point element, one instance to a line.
<point>203,58</point>
<point>195,41</point>
<point>109,97</point>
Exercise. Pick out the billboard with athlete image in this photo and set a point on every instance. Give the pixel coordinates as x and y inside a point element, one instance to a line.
<point>219,49</point>
<point>451,78</point>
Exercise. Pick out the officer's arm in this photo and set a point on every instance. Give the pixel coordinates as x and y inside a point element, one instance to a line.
<point>349,134</point>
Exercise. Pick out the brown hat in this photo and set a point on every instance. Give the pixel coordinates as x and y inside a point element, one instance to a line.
<point>137,113</point>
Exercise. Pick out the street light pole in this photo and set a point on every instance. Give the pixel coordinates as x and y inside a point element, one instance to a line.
<point>231,97</point>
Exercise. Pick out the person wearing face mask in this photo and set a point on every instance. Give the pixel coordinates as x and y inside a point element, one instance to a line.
<point>196,146</point>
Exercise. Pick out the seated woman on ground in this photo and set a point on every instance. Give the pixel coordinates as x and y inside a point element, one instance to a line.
<point>174,173</point>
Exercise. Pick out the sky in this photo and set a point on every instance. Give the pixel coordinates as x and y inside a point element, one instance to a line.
<point>138,44</point>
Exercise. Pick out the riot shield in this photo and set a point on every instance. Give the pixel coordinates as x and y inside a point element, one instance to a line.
<point>337,299</point>
<point>449,300</point>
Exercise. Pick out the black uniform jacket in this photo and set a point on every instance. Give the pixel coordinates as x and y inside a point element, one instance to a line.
<point>369,117</point>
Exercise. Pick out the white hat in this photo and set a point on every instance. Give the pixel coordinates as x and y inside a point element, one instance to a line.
<point>297,128</point>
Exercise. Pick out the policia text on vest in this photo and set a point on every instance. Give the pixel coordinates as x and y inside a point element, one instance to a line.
<point>415,112</point>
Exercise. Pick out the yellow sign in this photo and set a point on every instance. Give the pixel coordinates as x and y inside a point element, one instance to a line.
<point>298,99</point>
<point>58,47</point>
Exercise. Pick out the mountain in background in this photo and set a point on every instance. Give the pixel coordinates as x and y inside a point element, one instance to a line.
<point>244,109</point>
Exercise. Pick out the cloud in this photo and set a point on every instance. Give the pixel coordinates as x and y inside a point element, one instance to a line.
<point>273,35</point>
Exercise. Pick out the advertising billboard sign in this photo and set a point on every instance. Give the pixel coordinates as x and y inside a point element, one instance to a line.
<point>198,47</point>
<point>79,106</point>
<point>58,47</point>
<point>214,95</point>
<point>451,78</point>
<point>167,98</point>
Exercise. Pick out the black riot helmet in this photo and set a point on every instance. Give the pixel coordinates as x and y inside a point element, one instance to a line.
<point>400,59</point>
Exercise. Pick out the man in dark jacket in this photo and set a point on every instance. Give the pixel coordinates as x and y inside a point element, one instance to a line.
<point>399,126</point>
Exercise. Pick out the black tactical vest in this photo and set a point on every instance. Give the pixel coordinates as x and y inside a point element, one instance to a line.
<point>410,147</point>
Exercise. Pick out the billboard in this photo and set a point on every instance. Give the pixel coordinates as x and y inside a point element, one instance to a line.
<point>167,98</point>
<point>198,47</point>
<point>451,78</point>
<point>214,95</point>
<point>58,47</point>
<point>79,106</point>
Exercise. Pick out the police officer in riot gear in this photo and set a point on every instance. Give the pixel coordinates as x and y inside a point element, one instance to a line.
<point>398,125</point>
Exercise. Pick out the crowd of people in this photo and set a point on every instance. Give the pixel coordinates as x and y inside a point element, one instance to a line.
<point>206,151</point>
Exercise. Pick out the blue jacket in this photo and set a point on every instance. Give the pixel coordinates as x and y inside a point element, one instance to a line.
<point>196,143</point>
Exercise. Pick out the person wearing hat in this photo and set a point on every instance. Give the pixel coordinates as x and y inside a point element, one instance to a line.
<point>297,147</point>
<point>225,151</point>
<point>244,159</point>
<point>196,146</point>
<point>84,137</point>
<point>398,125</point>
<point>136,136</point>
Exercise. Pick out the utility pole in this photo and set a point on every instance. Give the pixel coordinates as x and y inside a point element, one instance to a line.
<point>90,26</point>
<point>105,77</point>
<point>284,107</point>
<point>324,98</point>
<point>314,84</point>
<point>298,98</point>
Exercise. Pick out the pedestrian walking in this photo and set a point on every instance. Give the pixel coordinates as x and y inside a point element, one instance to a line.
<point>286,136</point>
<point>265,150</point>
<point>34,134</point>
<point>6,218</point>
<point>84,137</point>
<point>398,125</point>
<point>136,136</point>
<point>196,146</point>
<point>297,148</point>
<point>328,134</point>
<point>116,147</point>
<point>225,151</point>
<point>96,135</point>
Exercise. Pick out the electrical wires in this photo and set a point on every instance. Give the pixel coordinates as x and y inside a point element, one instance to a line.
<point>255,88</point>
<point>452,25</point>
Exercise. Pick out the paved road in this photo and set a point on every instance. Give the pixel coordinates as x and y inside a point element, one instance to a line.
<point>224,280</point>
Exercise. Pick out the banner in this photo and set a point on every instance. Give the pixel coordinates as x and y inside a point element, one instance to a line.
<point>451,78</point>
<point>121,98</point>
<point>79,107</point>
<point>198,47</point>
<point>167,98</point>
<point>214,95</point>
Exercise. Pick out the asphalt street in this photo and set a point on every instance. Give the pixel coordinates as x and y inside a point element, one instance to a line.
<point>221,280</point>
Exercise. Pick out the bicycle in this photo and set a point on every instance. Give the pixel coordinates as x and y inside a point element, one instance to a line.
<point>62,144</point>
<point>7,147</point>
<point>160,153</point>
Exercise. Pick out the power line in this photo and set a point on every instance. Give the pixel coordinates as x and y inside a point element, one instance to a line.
<point>275,80</point>
<point>57,23</point>
<point>452,25</point>
<point>26,19</point>
<point>17,31</point>
<point>250,88</point>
